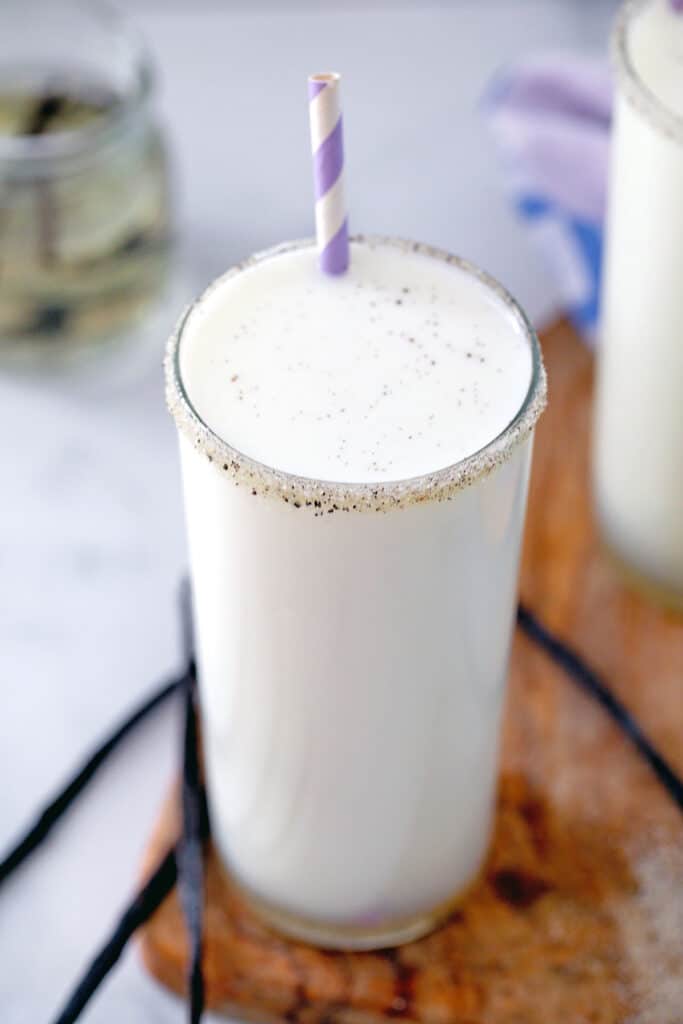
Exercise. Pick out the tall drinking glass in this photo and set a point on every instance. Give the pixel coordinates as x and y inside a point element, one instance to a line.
<point>353,629</point>
<point>638,447</point>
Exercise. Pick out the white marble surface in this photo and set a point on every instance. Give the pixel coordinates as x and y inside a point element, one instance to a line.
<point>91,530</point>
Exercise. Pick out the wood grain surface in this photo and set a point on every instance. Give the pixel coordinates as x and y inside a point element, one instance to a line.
<point>578,916</point>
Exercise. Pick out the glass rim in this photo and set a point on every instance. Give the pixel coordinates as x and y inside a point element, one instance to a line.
<point>636,90</point>
<point>330,495</point>
<point>35,153</point>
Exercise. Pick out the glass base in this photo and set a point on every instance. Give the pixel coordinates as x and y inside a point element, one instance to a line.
<point>634,577</point>
<point>353,938</point>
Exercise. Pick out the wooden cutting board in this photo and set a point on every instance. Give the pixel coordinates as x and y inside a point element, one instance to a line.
<point>578,916</point>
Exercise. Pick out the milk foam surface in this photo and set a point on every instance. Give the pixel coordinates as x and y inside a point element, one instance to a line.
<point>404,365</point>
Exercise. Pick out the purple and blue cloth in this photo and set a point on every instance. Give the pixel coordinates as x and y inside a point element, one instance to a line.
<point>550,117</point>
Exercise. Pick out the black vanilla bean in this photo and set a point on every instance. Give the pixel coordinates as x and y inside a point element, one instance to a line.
<point>152,894</point>
<point>190,853</point>
<point>62,801</point>
<point>186,624</point>
<point>57,807</point>
<point>163,880</point>
<point>574,665</point>
<point>190,849</point>
<point>44,111</point>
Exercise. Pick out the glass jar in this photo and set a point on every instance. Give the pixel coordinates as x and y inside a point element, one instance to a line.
<point>85,221</point>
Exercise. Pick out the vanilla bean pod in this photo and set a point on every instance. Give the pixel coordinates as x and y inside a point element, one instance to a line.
<point>574,665</point>
<point>190,854</point>
<point>190,849</point>
<point>152,894</point>
<point>55,809</point>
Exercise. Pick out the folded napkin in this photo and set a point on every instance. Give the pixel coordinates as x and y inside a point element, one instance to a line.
<point>550,117</point>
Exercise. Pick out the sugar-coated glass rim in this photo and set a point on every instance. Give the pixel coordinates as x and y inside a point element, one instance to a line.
<point>635,88</point>
<point>34,155</point>
<point>328,495</point>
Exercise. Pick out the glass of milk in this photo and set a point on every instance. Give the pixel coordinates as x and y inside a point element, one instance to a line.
<point>355,454</point>
<point>638,456</point>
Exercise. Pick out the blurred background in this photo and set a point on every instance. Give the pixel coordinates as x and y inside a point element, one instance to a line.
<point>91,528</point>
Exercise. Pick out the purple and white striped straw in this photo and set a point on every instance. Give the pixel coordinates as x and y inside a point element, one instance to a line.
<point>327,144</point>
<point>677,5</point>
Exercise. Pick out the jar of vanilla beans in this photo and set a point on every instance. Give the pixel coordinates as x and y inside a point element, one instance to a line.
<point>85,221</point>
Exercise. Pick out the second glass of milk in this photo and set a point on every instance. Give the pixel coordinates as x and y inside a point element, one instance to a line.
<point>638,448</point>
<point>355,454</point>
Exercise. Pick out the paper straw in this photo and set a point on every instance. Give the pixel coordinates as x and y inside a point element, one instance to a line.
<point>331,222</point>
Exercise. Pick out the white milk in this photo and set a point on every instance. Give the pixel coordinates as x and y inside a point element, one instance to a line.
<point>353,636</point>
<point>638,468</point>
